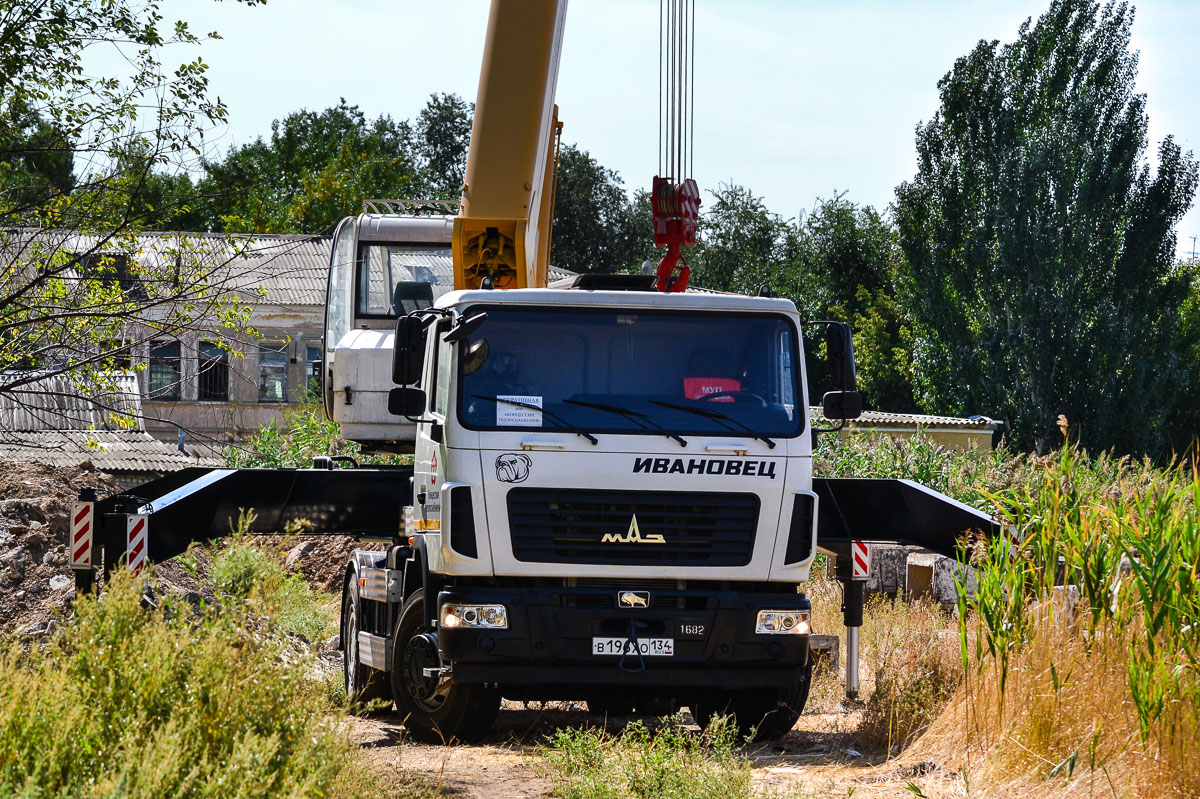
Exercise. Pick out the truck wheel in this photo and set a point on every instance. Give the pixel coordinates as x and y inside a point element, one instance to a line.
<point>435,711</point>
<point>770,712</point>
<point>363,684</point>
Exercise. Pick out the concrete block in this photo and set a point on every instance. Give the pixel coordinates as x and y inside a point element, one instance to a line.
<point>932,577</point>
<point>826,652</point>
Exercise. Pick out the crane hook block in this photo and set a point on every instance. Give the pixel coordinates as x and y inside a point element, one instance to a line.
<point>676,208</point>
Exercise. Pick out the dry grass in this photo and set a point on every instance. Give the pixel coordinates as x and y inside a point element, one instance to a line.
<point>1092,690</point>
<point>1064,725</point>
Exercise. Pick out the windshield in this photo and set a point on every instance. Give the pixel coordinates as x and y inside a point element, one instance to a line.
<point>395,279</point>
<point>650,373</point>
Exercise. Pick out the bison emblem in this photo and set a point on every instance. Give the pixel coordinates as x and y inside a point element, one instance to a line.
<point>634,599</point>
<point>512,467</point>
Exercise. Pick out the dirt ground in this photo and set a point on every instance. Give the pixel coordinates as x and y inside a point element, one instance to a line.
<point>35,572</point>
<point>816,759</point>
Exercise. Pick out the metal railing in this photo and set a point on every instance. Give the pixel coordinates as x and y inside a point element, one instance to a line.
<point>432,207</point>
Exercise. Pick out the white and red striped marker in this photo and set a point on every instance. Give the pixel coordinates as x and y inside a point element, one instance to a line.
<point>82,514</point>
<point>135,542</point>
<point>860,560</point>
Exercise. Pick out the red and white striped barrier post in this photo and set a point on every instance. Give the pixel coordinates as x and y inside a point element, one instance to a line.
<point>83,533</point>
<point>852,609</point>
<point>135,541</point>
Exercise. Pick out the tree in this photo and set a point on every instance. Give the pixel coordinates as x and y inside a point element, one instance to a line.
<point>1041,278</point>
<point>316,168</point>
<point>845,266</point>
<point>597,228</point>
<point>743,245</point>
<point>443,133</point>
<point>77,153</point>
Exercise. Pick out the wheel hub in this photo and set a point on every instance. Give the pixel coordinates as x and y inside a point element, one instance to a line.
<point>426,689</point>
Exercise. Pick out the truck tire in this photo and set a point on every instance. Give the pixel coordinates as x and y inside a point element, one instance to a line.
<point>363,684</point>
<point>434,713</point>
<point>769,712</point>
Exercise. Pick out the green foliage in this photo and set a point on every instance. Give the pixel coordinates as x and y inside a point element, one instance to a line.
<point>316,168</point>
<point>443,132</point>
<point>671,762</point>
<point>742,246</point>
<point>305,435</point>
<point>122,701</point>
<point>844,268</point>
<point>1041,278</point>
<point>597,227</point>
<point>254,579</point>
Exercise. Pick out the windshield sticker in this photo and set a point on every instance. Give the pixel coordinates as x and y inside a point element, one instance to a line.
<point>508,415</point>
<point>723,466</point>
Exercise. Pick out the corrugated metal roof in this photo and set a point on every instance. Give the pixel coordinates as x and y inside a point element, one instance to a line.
<point>56,403</point>
<point>109,450</point>
<point>291,269</point>
<point>885,419</point>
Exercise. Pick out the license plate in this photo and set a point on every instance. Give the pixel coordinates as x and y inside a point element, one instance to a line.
<point>647,647</point>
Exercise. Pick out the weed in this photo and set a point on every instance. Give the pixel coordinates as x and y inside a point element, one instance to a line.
<point>672,762</point>
<point>135,703</point>
<point>246,575</point>
<point>305,434</point>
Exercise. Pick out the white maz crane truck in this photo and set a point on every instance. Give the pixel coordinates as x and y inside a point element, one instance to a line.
<point>612,495</point>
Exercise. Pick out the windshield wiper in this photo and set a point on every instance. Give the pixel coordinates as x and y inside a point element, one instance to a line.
<point>644,421</point>
<point>713,413</point>
<point>554,417</point>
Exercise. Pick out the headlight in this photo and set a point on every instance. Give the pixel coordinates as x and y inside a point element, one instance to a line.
<point>782,622</point>
<point>492,617</point>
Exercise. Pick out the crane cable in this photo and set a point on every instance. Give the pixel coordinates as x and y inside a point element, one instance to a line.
<point>675,198</point>
<point>676,88</point>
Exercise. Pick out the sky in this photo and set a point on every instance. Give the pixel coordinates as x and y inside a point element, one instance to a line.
<point>794,99</point>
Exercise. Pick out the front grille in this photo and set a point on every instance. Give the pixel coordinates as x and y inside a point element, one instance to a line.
<point>603,591</point>
<point>551,525</point>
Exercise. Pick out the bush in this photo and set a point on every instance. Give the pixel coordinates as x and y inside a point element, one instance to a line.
<point>250,576</point>
<point>671,763</point>
<point>134,703</point>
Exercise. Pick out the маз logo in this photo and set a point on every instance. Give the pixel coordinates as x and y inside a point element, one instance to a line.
<point>633,536</point>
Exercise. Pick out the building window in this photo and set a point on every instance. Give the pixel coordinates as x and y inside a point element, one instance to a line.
<point>272,372</point>
<point>214,373</point>
<point>312,365</point>
<point>164,370</point>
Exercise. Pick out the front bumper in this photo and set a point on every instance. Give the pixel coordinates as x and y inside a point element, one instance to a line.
<point>550,630</point>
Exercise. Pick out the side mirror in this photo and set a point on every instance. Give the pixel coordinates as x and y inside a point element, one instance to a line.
<point>839,345</point>
<point>409,352</point>
<point>841,405</point>
<point>406,401</point>
<point>464,328</point>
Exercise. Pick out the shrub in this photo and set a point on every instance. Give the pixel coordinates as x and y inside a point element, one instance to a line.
<point>249,576</point>
<point>128,702</point>
<point>670,763</point>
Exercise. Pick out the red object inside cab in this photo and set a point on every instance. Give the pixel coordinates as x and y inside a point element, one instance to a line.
<point>700,387</point>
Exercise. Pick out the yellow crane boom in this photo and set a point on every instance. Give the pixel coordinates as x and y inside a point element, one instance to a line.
<point>502,231</point>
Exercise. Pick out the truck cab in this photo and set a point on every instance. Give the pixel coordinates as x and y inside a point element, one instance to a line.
<point>612,500</point>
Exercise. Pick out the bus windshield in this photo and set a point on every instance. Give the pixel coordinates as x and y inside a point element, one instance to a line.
<point>396,279</point>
